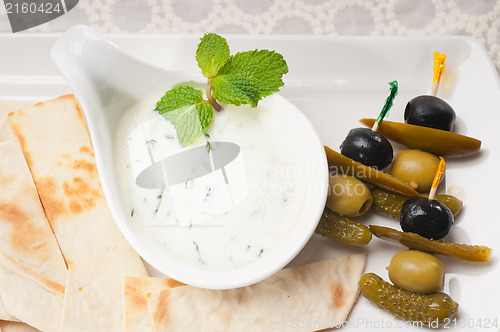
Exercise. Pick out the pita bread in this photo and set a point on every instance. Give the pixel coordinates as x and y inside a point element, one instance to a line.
<point>57,148</point>
<point>136,291</point>
<point>88,288</point>
<point>25,234</point>
<point>4,315</point>
<point>22,288</point>
<point>310,297</point>
<point>16,327</point>
<point>7,106</point>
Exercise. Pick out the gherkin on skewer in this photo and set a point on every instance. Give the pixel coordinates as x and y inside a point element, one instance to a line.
<point>342,229</point>
<point>390,204</point>
<point>341,164</point>
<point>439,142</point>
<point>473,253</point>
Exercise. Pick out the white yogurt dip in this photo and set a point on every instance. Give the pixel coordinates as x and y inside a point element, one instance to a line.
<point>221,217</point>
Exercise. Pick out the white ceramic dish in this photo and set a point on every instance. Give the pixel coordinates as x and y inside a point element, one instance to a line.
<point>336,81</point>
<point>107,82</point>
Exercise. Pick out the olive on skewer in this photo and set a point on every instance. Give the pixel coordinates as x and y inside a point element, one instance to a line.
<point>368,146</point>
<point>390,204</point>
<point>429,110</point>
<point>415,167</point>
<point>427,216</point>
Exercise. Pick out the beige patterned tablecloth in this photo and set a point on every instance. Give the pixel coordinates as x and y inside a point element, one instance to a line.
<point>476,18</point>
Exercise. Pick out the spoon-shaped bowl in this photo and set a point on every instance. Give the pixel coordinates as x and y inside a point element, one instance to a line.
<point>106,82</point>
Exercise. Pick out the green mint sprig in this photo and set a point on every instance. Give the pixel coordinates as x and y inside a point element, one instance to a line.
<point>240,79</point>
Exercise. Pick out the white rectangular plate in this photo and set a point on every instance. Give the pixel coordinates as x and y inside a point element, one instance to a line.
<point>336,82</point>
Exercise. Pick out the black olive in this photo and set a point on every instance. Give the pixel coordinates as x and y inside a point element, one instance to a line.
<point>367,147</point>
<point>430,219</point>
<point>430,111</point>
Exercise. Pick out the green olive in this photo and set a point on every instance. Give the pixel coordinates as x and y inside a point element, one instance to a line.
<point>348,196</point>
<point>416,271</point>
<point>415,167</point>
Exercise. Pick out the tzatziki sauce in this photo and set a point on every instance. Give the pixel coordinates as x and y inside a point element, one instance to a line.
<point>220,203</point>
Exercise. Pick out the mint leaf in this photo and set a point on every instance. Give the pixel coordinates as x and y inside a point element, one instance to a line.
<point>189,113</point>
<point>187,123</point>
<point>236,90</point>
<point>243,78</point>
<point>212,54</point>
<point>247,77</point>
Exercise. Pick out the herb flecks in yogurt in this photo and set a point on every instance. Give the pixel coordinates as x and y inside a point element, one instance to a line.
<point>160,196</point>
<point>240,79</point>
<point>223,215</point>
<point>198,251</point>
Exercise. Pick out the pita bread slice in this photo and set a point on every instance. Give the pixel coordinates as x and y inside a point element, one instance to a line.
<point>29,296</point>
<point>5,316</point>
<point>7,106</point>
<point>136,291</point>
<point>6,326</point>
<point>57,148</point>
<point>310,297</point>
<point>25,234</point>
<point>88,289</point>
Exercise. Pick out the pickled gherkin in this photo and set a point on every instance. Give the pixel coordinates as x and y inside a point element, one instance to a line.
<point>466,252</point>
<point>340,164</point>
<point>390,204</point>
<point>438,142</point>
<point>427,309</point>
<point>342,229</point>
